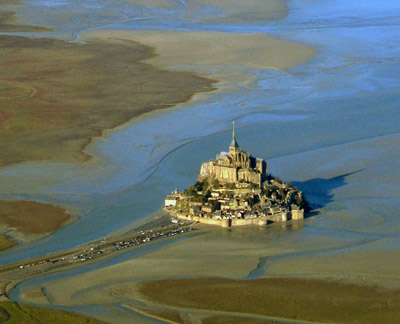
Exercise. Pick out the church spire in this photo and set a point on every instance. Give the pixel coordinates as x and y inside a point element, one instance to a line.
<point>234,143</point>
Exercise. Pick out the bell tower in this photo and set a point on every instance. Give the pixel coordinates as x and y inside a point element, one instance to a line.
<point>234,147</point>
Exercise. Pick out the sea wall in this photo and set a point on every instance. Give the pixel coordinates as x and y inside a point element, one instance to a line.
<point>223,222</point>
<point>260,221</point>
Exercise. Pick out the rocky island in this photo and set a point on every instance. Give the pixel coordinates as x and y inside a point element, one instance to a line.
<point>236,189</point>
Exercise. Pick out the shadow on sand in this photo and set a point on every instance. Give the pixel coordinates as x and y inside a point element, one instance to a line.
<point>319,192</point>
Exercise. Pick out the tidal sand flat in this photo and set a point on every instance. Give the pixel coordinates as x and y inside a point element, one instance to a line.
<point>7,24</point>
<point>8,19</point>
<point>25,219</point>
<point>225,11</point>
<point>184,50</point>
<point>5,242</point>
<point>57,95</point>
<point>207,252</point>
<point>280,298</point>
<point>236,320</point>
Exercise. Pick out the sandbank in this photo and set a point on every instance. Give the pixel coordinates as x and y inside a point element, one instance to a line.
<point>374,266</point>
<point>233,11</point>
<point>31,219</point>
<point>5,242</point>
<point>8,19</point>
<point>298,299</point>
<point>231,319</point>
<point>223,11</point>
<point>56,95</point>
<point>7,24</point>
<point>181,50</point>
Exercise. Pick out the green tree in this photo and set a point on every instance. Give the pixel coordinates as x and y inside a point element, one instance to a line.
<point>282,193</point>
<point>215,183</point>
<point>191,191</point>
<point>206,196</point>
<point>230,186</point>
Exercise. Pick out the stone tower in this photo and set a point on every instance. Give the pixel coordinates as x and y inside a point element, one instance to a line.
<point>234,147</point>
<point>235,166</point>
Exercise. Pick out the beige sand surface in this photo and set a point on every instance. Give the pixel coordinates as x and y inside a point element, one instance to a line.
<point>365,205</point>
<point>29,220</point>
<point>181,50</point>
<point>31,217</point>
<point>164,4</point>
<point>297,299</point>
<point>226,57</point>
<point>229,320</point>
<point>223,10</point>
<point>252,10</point>
<point>210,253</point>
<point>376,266</point>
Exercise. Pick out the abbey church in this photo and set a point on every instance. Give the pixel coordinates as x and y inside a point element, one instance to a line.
<point>235,189</point>
<point>235,167</point>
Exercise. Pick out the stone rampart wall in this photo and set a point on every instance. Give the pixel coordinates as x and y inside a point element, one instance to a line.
<point>260,221</point>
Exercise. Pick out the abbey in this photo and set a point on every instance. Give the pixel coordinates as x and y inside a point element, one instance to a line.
<point>235,189</point>
<point>235,166</point>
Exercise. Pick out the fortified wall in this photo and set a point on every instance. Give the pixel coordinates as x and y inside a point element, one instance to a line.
<point>233,222</point>
<point>235,189</point>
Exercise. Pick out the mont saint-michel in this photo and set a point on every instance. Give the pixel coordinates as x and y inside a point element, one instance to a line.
<point>236,189</point>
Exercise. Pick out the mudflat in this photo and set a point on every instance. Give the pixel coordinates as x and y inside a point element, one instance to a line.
<point>231,11</point>
<point>292,298</point>
<point>8,19</point>
<point>231,319</point>
<point>57,95</point>
<point>5,242</point>
<point>182,49</point>
<point>29,217</point>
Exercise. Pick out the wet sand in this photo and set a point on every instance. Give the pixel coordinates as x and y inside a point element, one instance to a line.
<point>26,220</point>
<point>232,11</point>
<point>231,319</point>
<point>296,299</point>
<point>7,24</point>
<point>8,19</point>
<point>5,242</point>
<point>58,95</point>
<point>188,51</point>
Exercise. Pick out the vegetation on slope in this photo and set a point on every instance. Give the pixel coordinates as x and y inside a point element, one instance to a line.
<point>5,242</point>
<point>12,313</point>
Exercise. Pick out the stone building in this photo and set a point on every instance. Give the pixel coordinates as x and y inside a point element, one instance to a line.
<point>244,193</point>
<point>171,200</point>
<point>234,166</point>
